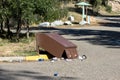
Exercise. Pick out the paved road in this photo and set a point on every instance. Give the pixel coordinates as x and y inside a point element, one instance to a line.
<point>110,21</point>
<point>100,44</point>
<point>112,18</point>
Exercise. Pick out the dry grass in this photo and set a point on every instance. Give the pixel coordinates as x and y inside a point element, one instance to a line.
<point>16,49</point>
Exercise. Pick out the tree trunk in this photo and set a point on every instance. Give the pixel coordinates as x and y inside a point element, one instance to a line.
<point>9,33</point>
<point>18,28</point>
<point>18,23</point>
<point>1,27</point>
<point>105,2</point>
<point>28,29</point>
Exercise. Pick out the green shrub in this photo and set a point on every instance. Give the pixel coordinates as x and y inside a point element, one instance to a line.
<point>108,8</point>
<point>56,14</point>
<point>49,10</point>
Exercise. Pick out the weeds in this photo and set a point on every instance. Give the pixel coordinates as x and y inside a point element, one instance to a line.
<point>25,47</point>
<point>25,53</point>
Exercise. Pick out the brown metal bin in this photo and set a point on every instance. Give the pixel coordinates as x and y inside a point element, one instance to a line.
<point>56,45</point>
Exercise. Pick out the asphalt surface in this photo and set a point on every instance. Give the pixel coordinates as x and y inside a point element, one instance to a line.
<point>101,45</point>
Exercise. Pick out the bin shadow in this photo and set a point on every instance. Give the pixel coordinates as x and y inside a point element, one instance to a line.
<point>50,56</point>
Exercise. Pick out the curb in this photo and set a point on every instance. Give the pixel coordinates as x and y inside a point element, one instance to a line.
<point>20,58</point>
<point>12,59</point>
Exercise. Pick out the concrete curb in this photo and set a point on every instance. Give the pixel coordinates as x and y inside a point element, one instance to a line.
<point>12,59</point>
<point>23,58</point>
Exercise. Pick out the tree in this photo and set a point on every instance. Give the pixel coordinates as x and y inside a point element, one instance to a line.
<point>49,10</point>
<point>5,15</point>
<point>97,3</point>
<point>105,2</point>
<point>28,8</point>
<point>1,16</point>
<point>24,11</point>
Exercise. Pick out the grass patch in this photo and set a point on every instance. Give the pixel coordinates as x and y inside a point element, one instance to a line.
<point>25,47</point>
<point>25,40</point>
<point>25,53</point>
<point>3,42</point>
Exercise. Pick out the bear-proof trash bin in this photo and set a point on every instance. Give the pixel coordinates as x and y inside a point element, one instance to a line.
<point>56,45</point>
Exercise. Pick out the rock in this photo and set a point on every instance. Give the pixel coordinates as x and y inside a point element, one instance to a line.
<point>71,18</point>
<point>67,23</point>
<point>83,57</point>
<point>83,23</point>
<point>57,23</point>
<point>44,24</point>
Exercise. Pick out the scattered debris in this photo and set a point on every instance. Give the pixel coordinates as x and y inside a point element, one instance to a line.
<point>40,59</point>
<point>52,61</point>
<point>83,57</point>
<point>55,74</point>
<point>55,58</point>
<point>68,60</point>
<point>62,58</point>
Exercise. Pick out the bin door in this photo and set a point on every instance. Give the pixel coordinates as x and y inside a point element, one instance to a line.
<point>71,53</point>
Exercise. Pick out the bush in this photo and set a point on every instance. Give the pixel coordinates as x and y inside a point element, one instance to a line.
<point>56,14</point>
<point>50,10</point>
<point>108,8</point>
